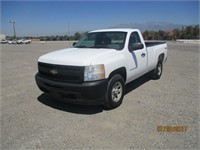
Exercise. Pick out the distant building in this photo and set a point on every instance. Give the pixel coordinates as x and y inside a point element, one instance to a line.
<point>2,36</point>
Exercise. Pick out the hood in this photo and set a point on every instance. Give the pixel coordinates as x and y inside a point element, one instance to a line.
<point>76,56</point>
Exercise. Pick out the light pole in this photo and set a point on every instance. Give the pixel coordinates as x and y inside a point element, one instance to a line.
<point>13,22</point>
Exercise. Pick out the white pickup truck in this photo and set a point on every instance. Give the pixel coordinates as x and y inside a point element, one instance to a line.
<point>97,68</point>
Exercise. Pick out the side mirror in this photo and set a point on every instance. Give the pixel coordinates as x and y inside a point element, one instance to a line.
<point>74,43</point>
<point>135,46</point>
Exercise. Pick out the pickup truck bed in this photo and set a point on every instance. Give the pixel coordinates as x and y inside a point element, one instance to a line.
<point>149,44</point>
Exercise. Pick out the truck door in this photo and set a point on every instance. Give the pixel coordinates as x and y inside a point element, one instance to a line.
<point>137,57</point>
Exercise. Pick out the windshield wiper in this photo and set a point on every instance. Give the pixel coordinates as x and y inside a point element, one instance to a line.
<point>81,47</point>
<point>100,46</point>
<point>103,46</point>
<point>97,46</point>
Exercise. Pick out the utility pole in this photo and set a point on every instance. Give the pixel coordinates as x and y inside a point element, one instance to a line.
<point>68,35</point>
<point>13,22</point>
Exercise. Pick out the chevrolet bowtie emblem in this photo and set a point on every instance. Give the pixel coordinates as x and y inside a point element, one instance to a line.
<point>54,71</point>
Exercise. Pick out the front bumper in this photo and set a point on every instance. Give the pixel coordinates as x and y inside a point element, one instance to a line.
<point>85,93</point>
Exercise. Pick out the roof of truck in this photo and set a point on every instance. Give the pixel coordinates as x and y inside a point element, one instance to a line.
<point>116,29</point>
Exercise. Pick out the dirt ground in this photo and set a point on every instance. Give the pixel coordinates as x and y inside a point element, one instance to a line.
<point>33,120</point>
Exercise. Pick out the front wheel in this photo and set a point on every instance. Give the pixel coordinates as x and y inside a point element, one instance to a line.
<point>157,72</point>
<point>115,92</point>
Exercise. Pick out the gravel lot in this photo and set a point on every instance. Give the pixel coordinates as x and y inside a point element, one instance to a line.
<point>31,119</point>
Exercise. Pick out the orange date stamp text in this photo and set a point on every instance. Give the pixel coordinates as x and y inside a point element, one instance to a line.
<point>172,128</point>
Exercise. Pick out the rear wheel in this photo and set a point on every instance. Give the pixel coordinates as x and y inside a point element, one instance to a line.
<point>115,92</point>
<point>157,72</point>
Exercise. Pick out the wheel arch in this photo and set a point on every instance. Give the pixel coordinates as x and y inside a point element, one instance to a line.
<point>121,71</point>
<point>161,57</point>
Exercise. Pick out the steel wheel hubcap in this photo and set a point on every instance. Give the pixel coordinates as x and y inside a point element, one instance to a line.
<point>117,91</point>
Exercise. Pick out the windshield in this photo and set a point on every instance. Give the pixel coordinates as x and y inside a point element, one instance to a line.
<point>112,40</point>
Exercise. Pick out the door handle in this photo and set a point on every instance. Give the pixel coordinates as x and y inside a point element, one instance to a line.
<point>143,54</point>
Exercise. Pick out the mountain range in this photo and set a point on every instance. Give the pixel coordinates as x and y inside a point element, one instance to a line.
<point>155,26</point>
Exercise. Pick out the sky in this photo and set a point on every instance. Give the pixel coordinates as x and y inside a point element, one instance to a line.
<point>38,18</point>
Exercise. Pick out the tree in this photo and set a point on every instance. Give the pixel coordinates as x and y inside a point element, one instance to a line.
<point>146,34</point>
<point>161,35</point>
<point>188,32</point>
<point>176,34</point>
<point>196,32</point>
<point>77,35</point>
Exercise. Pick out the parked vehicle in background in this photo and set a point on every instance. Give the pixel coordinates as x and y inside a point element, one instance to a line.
<point>3,41</point>
<point>9,42</point>
<point>23,41</point>
<point>12,42</point>
<point>19,41</point>
<point>99,66</point>
<point>26,41</point>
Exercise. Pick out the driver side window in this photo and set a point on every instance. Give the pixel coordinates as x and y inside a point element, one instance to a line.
<point>134,38</point>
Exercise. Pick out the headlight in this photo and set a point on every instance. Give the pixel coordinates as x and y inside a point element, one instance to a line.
<point>94,72</point>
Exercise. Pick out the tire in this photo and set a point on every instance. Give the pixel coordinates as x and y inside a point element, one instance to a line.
<point>115,92</point>
<point>157,72</point>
